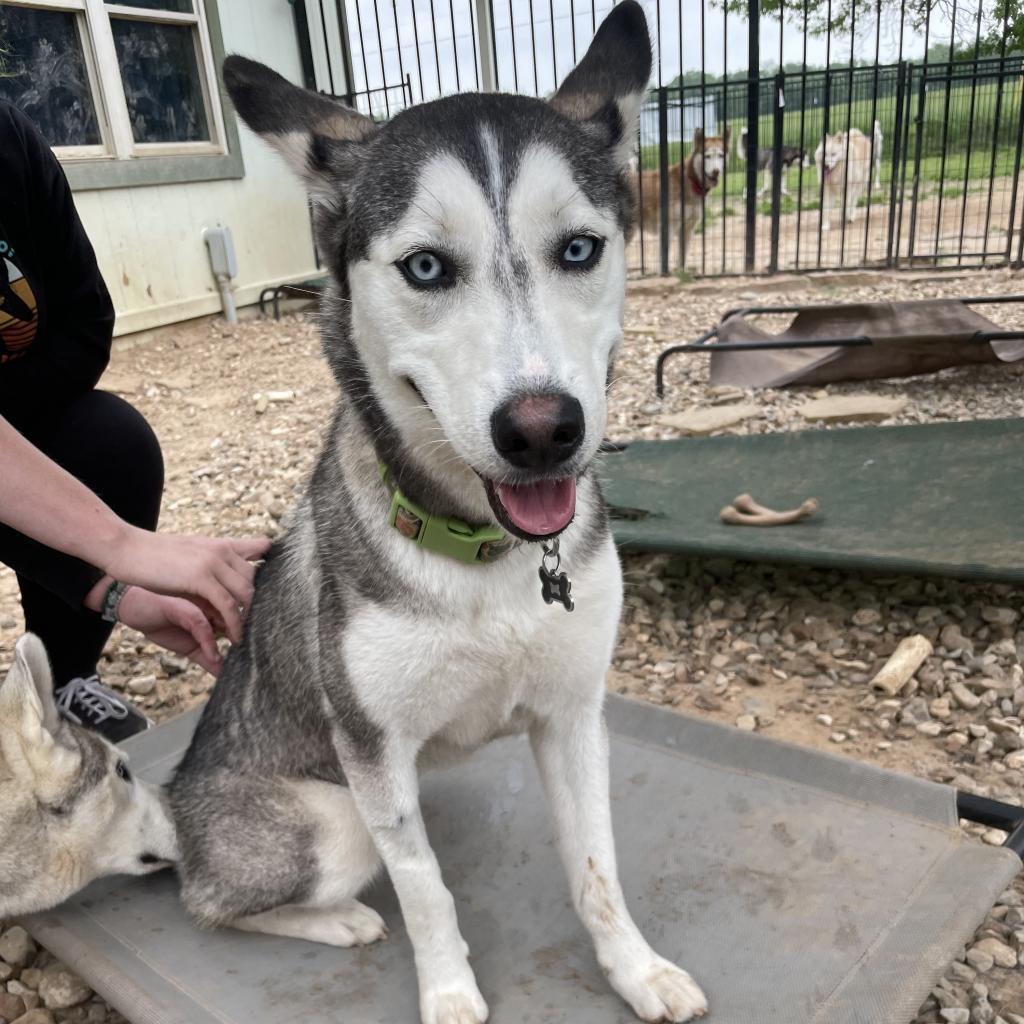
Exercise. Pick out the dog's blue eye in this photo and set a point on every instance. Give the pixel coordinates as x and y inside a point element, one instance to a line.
<point>425,268</point>
<point>123,771</point>
<point>580,251</point>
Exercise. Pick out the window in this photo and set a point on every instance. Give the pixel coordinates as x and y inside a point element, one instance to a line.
<point>118,83</point>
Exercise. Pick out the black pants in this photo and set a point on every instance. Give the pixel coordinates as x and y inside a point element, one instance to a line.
<point>109,446</point>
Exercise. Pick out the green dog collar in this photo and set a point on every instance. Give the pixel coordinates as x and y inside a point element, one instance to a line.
<point>445,535</point>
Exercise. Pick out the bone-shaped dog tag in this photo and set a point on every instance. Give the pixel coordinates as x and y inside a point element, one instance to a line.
<point>554,585</point>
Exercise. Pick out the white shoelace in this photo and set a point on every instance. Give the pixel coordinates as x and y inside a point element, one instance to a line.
<point>98,703</point>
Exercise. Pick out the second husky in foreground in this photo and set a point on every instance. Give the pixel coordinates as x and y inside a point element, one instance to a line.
<point>476,248</point>
<point>70,810</point>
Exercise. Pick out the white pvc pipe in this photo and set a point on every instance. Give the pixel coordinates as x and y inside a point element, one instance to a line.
<point>227,298</point>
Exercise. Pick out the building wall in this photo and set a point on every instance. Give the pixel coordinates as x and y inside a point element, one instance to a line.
<point>148,239</point>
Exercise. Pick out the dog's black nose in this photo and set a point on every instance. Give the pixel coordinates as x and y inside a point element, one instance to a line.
<point>538,431</point>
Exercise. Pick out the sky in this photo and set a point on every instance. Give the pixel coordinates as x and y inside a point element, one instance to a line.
<point>433,41</point>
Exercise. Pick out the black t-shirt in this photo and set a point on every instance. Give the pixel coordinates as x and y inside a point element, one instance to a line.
<point>56,317</point>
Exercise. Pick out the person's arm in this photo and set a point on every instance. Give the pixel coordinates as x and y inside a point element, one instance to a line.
<point>43,501</point>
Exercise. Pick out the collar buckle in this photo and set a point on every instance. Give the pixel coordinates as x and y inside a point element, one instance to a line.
<point>444,535</point>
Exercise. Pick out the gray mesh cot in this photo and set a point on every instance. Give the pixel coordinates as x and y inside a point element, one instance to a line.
<point>825,344</point>
<point>798,887</point>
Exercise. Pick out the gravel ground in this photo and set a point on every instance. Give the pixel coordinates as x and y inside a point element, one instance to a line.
<point>789,652</point>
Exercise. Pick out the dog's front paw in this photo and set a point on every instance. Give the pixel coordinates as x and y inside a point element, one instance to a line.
<point>462,1006</point>
<point>659,991</point>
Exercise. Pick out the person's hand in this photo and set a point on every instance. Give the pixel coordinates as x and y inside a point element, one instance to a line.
<point>214,573</point>
<point>173,623</point>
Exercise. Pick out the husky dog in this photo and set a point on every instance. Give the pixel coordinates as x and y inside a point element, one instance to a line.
<point>790,156</point>
<point>476,249</point>
<point>688,183</point>
<point>844,169</point>
<point>70,810</point>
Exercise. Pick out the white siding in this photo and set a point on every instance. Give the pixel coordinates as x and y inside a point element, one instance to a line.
<point>149,239</point>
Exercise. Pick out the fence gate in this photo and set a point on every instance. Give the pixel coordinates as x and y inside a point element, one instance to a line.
<point>896,124</point>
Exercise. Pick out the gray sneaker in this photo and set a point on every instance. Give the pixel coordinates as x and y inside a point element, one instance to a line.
<point>86,702</point>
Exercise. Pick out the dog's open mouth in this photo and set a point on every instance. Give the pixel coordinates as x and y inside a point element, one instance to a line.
<point>535,510</point>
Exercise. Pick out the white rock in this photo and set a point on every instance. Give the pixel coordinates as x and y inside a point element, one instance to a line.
<point>981,961</point>
<point>852,408</point>
<point>696,422</point>
<point>999,616</point>
<point>16,947</point>
<point>963,696</point>
<point>955,1015</point>
<point>999,951</point>
<point>1015,760</point>
<point>61,988</point>
<point>142,686</point>
<point>748,723</point>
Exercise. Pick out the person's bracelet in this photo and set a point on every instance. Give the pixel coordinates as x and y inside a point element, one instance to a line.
<point>112,600</point>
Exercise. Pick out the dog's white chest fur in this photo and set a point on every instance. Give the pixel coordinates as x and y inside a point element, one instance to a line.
<point>492,655</point>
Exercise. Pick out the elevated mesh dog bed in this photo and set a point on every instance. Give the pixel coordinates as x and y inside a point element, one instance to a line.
<point>937,499</point>
<point>311,290</point>
<point>796,886</point>
<point>858,341</point>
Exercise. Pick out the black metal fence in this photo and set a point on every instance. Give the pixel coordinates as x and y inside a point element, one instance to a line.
<point>921,100</point>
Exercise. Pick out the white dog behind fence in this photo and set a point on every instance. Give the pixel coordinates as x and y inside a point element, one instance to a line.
<point>845,162</point>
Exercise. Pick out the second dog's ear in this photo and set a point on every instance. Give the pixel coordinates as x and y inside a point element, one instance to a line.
<point>29,722</point>
<point>605,90</point>
<point>314,134</point>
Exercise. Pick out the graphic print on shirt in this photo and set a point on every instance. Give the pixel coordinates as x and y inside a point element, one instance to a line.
<point>19,315</point>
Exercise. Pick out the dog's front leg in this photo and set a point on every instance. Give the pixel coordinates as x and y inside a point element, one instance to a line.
<point>572,754</point>
<point>387,795</point>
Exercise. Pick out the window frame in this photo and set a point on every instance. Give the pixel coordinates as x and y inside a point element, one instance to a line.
<point>119,161</point>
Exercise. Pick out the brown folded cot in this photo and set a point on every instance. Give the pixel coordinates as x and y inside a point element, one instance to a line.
<point>858,341</point>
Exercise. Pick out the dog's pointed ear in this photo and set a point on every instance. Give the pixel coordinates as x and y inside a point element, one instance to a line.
<point>29,721</point>
<point>312,133</point>
<point>605,90</point>
<point>698,138</point>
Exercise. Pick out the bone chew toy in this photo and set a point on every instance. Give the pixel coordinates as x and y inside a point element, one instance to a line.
<point>744,511</point>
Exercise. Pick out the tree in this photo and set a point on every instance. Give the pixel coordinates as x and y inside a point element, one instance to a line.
<point>1001,26</point>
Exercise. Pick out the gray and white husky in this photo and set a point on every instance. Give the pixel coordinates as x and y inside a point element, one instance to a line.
<point>70,810</point>
<point>476,248</point>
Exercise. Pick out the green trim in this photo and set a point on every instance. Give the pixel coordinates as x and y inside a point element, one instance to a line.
<point>88,175</point>
<point>444,535</point>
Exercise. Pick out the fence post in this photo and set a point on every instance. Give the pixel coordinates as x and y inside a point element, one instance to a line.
<point>346,48</point>
<point>663,196</point>
<point>1011,222</point>
<point>305,46</point>
<point>897,139</point>
<point>918,143</point>
<point>777,169</point>
<point>488,55</point>
<point>753,118</point>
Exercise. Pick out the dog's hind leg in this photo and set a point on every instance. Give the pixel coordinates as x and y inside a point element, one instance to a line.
<point>571,748</point>
<point>280,856</point>
<point>346,861</point>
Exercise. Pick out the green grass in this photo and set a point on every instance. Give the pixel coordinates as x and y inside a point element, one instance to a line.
<point>937,131</point>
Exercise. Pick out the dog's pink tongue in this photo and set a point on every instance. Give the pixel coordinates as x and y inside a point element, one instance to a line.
<point>541,508</point>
